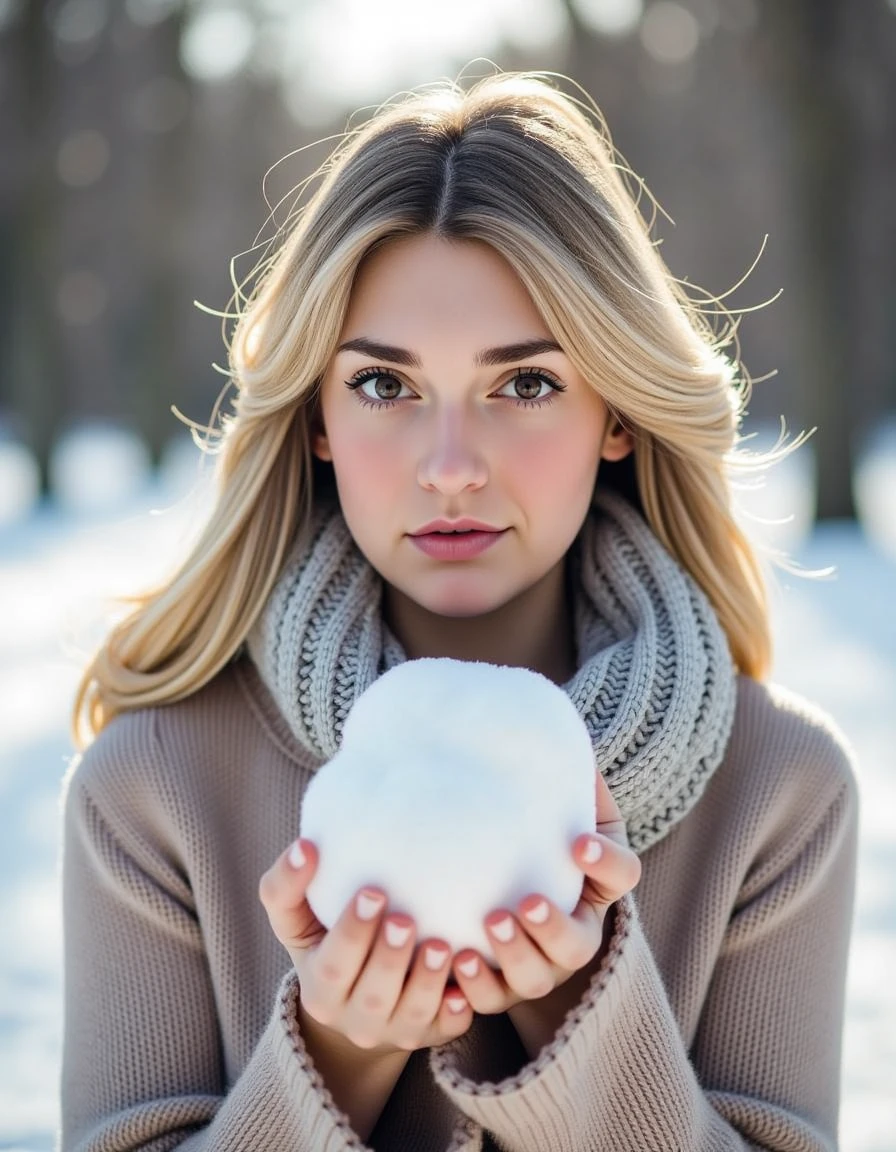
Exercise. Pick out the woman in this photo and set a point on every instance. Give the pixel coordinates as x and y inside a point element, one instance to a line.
<point>476,418</point>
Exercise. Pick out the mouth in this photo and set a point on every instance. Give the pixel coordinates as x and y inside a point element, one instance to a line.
<point>455,528</point>
<point>456,544</point>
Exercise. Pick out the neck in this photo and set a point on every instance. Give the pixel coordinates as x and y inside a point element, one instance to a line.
<point>534,630</point>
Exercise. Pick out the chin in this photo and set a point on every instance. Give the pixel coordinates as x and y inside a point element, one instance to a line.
<point>461,604</point>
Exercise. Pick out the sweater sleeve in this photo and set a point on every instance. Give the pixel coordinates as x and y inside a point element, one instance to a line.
<point>762,1071</point>
<point>142,1061</point>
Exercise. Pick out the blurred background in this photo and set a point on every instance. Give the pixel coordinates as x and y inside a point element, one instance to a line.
<point>142,145</point>
<point>134,137</point>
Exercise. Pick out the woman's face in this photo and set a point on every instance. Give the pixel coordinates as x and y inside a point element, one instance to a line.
<point>448,400</point>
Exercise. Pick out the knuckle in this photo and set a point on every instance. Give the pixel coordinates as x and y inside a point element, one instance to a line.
<point>329,973</point>
<point>487,1005</point>
<point>371,1002</point>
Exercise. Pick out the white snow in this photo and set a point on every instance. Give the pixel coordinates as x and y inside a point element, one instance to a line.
<point>836,643</point>
<point>386,809</point>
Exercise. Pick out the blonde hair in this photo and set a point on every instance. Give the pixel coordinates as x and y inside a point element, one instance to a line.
<point>515,163</point>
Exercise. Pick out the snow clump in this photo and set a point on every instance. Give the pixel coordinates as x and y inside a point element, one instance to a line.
<point>458,789</point>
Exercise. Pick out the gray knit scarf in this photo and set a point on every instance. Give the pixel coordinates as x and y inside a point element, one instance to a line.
<point>655,682</point>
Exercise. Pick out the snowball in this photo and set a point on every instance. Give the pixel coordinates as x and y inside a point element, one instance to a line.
<point>458,789</point>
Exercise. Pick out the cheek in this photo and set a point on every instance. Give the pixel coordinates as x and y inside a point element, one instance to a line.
<point>365,465</point>
<point>558,467</point>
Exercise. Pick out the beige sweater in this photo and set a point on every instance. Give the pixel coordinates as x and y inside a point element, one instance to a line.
<point>714,1022</point>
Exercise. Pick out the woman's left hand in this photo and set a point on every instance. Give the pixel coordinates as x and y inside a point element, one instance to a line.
<point>537,946</point>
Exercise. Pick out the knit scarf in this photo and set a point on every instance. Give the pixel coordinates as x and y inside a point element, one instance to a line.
<point>655,683</point>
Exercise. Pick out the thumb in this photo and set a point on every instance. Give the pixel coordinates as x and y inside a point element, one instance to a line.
<point>282,891</point>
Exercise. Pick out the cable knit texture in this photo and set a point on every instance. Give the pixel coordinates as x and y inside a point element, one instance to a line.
<point>655,680</point>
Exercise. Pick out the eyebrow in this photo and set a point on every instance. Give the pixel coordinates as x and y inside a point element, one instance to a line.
<point>488,357</point>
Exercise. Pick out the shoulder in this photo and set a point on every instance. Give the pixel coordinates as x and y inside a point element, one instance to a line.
<point>149,762</point>
<point>790,734</point>
<point>788,768</point>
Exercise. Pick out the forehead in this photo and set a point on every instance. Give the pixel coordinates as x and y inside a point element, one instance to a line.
<point>424,284</point>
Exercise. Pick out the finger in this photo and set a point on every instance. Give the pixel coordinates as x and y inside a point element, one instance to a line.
<point>282,892</point>
<point>611,868</point>
<point>484,988</point>
<point>455,1014</point>
<point>379,985</point>
<point>330,972</point>
<point>567,942</point>
<point>422,996</point>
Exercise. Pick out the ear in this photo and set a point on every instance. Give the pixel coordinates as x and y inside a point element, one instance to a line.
<point>320,444</point>
<point>618,441</point>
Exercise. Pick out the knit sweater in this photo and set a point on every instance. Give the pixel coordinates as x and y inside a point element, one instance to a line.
<point>713,1022</point>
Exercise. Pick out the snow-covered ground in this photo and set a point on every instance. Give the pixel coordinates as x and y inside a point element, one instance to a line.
<point>836,642</point>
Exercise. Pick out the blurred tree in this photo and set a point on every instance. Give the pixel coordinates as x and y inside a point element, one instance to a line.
<point>33,375</point>
<point>804,52</point>
<point>747,116</point>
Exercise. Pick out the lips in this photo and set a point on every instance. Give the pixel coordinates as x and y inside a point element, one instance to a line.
<point>448,527</point>
<point>453,545</point>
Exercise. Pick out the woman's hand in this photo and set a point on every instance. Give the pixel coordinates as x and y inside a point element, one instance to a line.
<point>537,946</point>
<point>364,980</point>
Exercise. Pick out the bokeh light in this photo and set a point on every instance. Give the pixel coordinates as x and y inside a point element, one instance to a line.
<point>610,17</point>
<point>83,158</point>
<point>669,32</point>
<point>77,26</point>
<point>217,43</point>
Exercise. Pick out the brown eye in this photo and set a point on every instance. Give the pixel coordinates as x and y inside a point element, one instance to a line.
<point>377,387</point>
<point>528,387</point>
<point>386,387</point>
<point>532,387</point>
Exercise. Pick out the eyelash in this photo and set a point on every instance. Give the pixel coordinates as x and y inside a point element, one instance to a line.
<point>354,383</point>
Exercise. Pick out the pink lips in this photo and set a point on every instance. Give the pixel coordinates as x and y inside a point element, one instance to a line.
<point>456,539</point>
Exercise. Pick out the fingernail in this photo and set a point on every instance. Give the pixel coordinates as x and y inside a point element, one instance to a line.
<point>368,905</point>
<point>469,967</point>
<point>592,851</point>
<point>538,913</point>
<point>503,930</point>
<point>296,856</point>
<point>455,1003</point>
<point>397,935</point>
<point>434,958</point>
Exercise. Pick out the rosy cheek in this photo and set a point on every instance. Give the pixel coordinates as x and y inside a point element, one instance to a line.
<point>365,463</point>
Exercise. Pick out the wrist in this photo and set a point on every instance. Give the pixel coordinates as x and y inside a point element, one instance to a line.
<point>323,1038</point>
<point>360,1080</point>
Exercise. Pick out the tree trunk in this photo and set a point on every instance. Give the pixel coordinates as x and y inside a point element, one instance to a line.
<point>803,48</point>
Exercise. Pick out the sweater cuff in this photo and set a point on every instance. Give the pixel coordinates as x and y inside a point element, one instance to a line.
<point>532,1109</point>
<point>323,1124</point>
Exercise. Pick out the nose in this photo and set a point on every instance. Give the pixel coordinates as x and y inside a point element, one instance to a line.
<point>450,462</point>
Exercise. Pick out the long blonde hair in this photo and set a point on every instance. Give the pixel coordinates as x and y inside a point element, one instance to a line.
<point>530,171</point>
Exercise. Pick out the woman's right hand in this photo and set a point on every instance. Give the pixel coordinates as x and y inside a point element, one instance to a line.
<point>363,979</point>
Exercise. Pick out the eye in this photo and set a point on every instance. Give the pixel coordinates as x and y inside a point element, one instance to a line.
<point>532,386</point>
<point>376,386</point>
